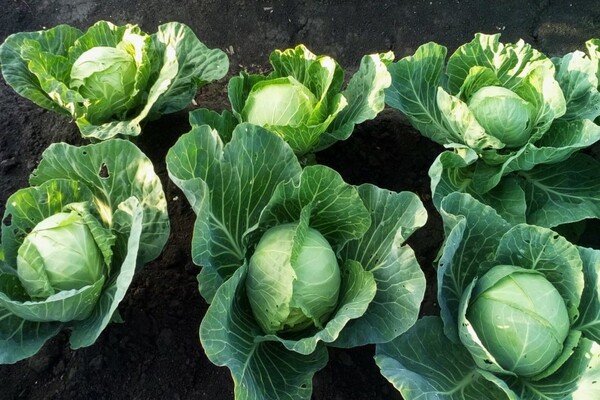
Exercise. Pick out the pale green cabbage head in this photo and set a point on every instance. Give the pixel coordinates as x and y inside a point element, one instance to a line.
<point>60,253</point>
<point>105,73</point>
<point>292,287</point>
<point>520,318</point>
<point>282,101</point>
<point>503,114</point>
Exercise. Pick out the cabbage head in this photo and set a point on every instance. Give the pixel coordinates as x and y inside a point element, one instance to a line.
<point>105,75</point>
<point>536,318</point>
<point>519,315</point>
<point>503,114</point>
<point>110,79</point>
<point>303,100</point>
<point>60,253</point>
<point>293,260</point>
<point>510,118</point>
<point>292,293</point>
<point>72,242</point>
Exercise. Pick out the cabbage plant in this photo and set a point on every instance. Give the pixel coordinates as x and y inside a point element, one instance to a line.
<point>302,100</point>
<point>110,78</point>
<point>511,120</point>
<point>72,242</point>
<point>520,315</point>
<point>293,260</point>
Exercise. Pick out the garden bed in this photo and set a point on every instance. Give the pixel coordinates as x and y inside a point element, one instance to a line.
<point>156,352</point>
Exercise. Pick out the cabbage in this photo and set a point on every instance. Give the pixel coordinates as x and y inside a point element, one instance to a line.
<point>110,79</point>
<point>72,242</point>
<point>289,293</point>
<point>519,315</point>
<point>293,259</point>
<point>303,99</point>
<point>60,253</point>
<point>512,121</point>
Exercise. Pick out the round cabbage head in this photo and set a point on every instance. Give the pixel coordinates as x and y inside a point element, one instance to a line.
<point>104,73</point>
<point>278,102</point>
<point>60,253</point>
<point>290,287</point>
<point>520,318</point>
<point>503,114</point>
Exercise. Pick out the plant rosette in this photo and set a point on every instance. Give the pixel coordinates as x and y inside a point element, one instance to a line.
<point>520,315</point>
<point>72,242</point>
<point>293,260</point>
<point>512,120</point>
<point>302,99</point>
<point>111,78</point>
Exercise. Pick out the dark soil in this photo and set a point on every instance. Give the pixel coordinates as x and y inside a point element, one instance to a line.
<point>155,353</point>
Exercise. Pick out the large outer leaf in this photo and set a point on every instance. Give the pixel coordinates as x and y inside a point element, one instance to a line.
<point>87,331</point>
<point>473,232</point>
<point>228,188</point>
<point>260,369</point>
<point>576,75</point>
<point>20,339</point>
<point>415,82</point>
<point>565,192</point>
<point>528,187</point>
<point>508,199</point>
<point>589,307</point>
<point>365,97</point>
<point>576,379</point>
<point>15,69</point>
<point>424,364</point>
<point>593,48</point>
<point>194,64</point>
<point>53,75</point>
<point>543,250</point>
<point>382,251</point>
<point>560,142</point>
<point>64,306</point>
<point>452,171</point>
<point>337,211</point>
<point>223,123</point>
<point>114,171</point>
